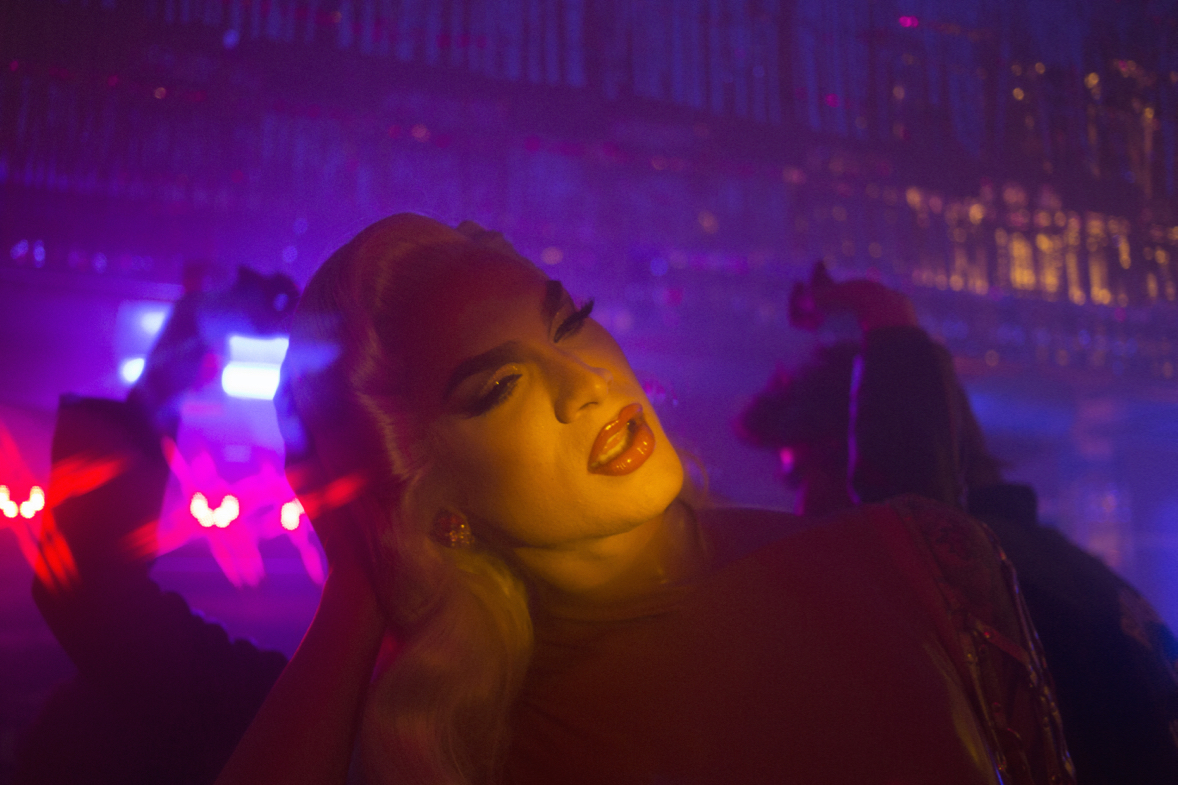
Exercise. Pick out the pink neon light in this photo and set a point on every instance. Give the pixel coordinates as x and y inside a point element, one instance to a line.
<point>7,505</point>
<point>34,504</point>
<point>909,21</point>
<point>251,504</point>
<point>292,512</point>
<point>221,517</point>
<point>259,517</point>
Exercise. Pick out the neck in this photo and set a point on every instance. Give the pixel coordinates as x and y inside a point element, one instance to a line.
<point>662,551</point>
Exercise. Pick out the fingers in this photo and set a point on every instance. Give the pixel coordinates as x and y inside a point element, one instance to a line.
<point>871,303</point>
<point>820,276</point>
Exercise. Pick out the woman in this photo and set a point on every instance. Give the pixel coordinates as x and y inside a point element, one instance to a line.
<point>559,612</point>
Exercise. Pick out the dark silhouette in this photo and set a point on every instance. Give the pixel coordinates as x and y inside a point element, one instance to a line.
<point>890,417</point>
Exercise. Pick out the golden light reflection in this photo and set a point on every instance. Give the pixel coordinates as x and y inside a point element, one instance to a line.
<point>1119,229</point>
<point>1002,249</point>
<point>979,282</point>
<point>1022,263</point>
<point>1162,257</point>
<point>1050,248</point>
<point>1072,260</point>
<point>1097,263</point>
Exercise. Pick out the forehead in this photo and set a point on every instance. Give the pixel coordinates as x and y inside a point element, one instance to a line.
<point>466,306</point>
<point>472,279</point>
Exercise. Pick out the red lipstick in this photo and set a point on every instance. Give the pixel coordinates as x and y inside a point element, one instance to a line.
<point>623,445</point>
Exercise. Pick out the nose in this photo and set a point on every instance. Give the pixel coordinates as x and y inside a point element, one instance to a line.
<point>578,386</point>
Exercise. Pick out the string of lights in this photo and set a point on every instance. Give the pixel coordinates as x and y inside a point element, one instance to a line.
<point>1048,175</point>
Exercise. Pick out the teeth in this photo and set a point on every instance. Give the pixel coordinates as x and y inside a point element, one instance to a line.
<point>616,445</point>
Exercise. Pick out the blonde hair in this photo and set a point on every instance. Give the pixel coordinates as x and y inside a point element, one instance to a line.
<point>439,713</point>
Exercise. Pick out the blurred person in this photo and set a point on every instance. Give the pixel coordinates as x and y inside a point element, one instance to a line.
<point>888,416</point>
<point>161,695</point>
<point>563,609</point>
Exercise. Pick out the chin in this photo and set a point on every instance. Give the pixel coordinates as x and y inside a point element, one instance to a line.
<point>659,485</point>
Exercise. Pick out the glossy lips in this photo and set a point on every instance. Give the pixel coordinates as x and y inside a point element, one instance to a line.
<point>623,445</point>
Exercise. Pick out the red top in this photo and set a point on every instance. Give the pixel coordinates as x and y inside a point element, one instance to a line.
<point>832,655</point>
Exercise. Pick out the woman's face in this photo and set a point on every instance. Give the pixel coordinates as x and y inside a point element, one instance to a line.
<point>535,426</point>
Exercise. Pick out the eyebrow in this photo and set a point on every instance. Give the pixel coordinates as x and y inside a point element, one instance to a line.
<point>509,351</point>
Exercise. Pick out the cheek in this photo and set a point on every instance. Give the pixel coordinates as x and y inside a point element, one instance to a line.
<point>499,469</point>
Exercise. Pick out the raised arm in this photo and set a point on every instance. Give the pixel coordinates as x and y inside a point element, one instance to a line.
<point>905,398</point>
<point>305,731</point>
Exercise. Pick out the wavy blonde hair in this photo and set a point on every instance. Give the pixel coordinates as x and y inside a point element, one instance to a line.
<point>439,713</point>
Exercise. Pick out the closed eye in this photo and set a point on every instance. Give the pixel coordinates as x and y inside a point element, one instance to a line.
<point>573,323</point>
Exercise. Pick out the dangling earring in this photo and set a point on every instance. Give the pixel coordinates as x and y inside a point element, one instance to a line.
<point>452,530</point>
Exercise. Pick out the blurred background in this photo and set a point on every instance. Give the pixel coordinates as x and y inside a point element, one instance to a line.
<point>1011,166</point>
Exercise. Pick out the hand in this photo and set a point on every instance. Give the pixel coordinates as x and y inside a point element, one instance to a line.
<point>184,356</point>
<point>871,303</point>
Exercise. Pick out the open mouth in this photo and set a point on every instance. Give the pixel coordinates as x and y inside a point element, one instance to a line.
<point>623,444</point>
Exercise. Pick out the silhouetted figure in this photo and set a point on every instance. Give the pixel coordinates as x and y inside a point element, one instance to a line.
<point>905,425</point>
<point>161,695</point>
